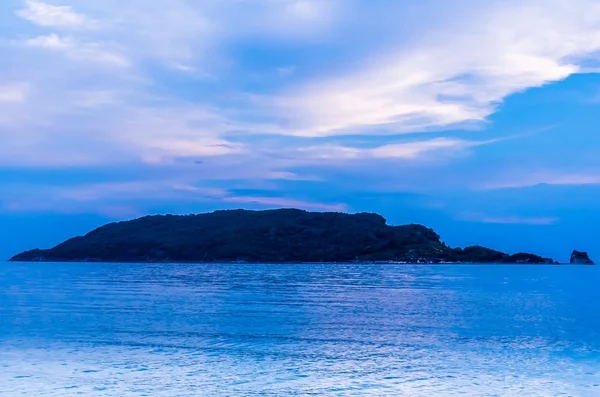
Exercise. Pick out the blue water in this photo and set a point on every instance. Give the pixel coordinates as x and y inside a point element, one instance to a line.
<point>298,330</point>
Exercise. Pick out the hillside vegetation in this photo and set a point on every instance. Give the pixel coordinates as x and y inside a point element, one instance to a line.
<point>285,235</point>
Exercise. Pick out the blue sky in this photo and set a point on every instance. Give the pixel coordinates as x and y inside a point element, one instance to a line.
<point>479,119</point>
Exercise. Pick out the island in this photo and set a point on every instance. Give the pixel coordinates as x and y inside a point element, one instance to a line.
<point>270,236</point>
<point>580,258</point>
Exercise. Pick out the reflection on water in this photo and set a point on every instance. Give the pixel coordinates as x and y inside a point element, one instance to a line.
<point>297,330</point>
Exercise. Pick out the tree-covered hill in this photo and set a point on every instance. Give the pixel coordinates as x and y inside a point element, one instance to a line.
<point>285,235</point>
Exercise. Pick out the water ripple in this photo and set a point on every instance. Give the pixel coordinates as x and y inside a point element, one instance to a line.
<point>298,330</point>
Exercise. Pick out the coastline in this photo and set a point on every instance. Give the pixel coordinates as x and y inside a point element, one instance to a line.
<point>381,263</point>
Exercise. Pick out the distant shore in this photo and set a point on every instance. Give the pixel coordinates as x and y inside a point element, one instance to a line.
<point>382,263</point>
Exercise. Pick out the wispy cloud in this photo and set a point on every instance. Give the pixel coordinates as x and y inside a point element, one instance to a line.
<point>278,202</point>
<point>44,14</point>
<point>413,150</point>
<point>125,198</point>
<point>14,92</point>
<point>509,220</point>
<point>79,51</point>
<point>407,150</point>
<point>544,178</point>
<point>52,41</point>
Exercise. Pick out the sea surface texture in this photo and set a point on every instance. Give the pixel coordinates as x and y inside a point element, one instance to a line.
<point>298,330</point>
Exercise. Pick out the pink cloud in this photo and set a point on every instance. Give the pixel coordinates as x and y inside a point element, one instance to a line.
<point>547,178</point>
<point>508,220</point>
<point>283,202</point>
<point>165,190</point>
<point>104,198</point>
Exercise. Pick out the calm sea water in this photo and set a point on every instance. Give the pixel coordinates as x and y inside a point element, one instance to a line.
<point>298,330</point>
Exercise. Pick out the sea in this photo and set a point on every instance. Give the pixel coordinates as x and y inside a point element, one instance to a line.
<point>183,330</point>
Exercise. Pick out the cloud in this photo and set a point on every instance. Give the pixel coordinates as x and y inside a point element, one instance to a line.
<point>544,178</point>
<point>413,150</point>
<point>127,92</point>
<point>407,150</point>
<point>459,72</point>
<point>52,41</point>
<point>455,73</point>
<point>278,202</point>
<point>279,20</point>
<point>127,197</point>
<point>75,50</point>
<point>14,92</point>
<point>52,16</point>
<point>98,98</point>
<point>509,220</point>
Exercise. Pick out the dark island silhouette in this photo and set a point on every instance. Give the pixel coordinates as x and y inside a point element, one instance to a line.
<point>580,258</point>
<point>271,236</point>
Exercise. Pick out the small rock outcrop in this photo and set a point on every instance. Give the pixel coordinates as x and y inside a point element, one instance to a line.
<point>580,258</point>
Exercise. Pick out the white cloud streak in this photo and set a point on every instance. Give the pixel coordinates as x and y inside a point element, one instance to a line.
<point>545,178</point>
<point>73,49</point>
<point>508,220</point>
<point>48,15</point>
<point>407,150</point>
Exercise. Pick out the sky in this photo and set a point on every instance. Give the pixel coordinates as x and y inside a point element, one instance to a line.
<point>478,119</point>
